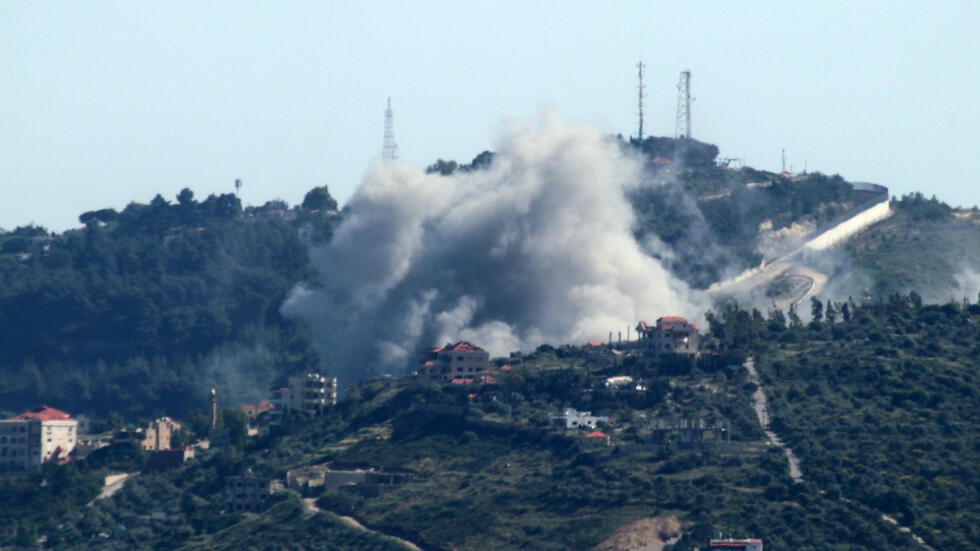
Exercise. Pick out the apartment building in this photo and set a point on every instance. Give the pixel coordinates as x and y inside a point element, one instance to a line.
<point>33,437</point>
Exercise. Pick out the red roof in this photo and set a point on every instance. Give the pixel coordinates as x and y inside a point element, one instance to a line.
<point>44,413</point>
<point>506,367</point>
<point>597,434</point>
<point>596,343</point>
<point>676,319</point>
<point>464,346</point>
<point>643,323</point>
<point>660,161</point>
<point>466,381</point>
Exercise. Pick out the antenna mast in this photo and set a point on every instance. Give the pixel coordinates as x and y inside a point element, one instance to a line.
<point>389,151</point>
<point>684,106</point>
<point>639,88</point>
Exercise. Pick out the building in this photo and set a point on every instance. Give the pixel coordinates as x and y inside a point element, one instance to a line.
<point>253,411</point>
<point>672,334</point>
<point>310,393</point>
<point>732,544</point>
<point>462,360</point>
<point>33,437</point>
<point>163,460</point>
<point>159,434</point>
<point>248,494</point>
<point>574,419</point>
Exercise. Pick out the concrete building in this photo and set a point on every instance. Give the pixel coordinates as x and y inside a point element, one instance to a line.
<point>672,334</point>
<point>574,419</point>
<point>33,437</point>
<point>454,361</point>
<point>732,544</point>
<point>159,434</point>
<point>254,410</point>
<point>248,494</point>
<point>310,393</point>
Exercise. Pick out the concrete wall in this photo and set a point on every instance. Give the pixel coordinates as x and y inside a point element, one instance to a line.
<point>853,225</point>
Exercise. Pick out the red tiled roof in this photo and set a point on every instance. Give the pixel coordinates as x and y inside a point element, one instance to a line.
<point>428,363</point>
<point>466,381</point>
<point>660,161</point>
<point>643,323</point>
<point>464,346</point>
<point>596,343</point>
<point>44,413</point>
<point>597,434</point>
<point>506,367</point>
<point>676,319</point>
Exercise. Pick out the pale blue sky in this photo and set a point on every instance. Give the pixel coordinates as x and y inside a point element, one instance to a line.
<point>102,103</point>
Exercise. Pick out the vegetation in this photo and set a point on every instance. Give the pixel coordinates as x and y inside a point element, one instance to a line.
<point>145,309</point>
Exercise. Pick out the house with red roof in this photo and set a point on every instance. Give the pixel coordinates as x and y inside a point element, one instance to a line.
<point>671,334</point>
<point>462,360</point>
<point>33,437</point>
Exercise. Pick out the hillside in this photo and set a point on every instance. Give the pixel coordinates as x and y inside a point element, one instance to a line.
<point>878,405</point>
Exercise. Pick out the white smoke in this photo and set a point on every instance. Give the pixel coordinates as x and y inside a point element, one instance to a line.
<point>535,249</point>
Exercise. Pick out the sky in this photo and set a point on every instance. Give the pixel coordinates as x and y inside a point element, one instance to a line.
<point>104,103</point>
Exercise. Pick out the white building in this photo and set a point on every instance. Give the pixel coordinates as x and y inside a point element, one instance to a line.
<point>574,419</point>
<point>33,437</point>
<point>310,393</point>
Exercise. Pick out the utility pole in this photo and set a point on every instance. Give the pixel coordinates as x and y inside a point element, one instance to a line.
<point>389,151</point>
<point>639,88</point>
<point>684,100</point>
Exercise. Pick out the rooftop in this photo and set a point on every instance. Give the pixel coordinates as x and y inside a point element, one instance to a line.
<point>44,413</point>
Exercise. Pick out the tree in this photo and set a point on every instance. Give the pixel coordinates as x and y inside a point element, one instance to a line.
<point>101,216</point>
<point>319,198</point>
<point>185,198</point>
<point>236,423</point>
<point>816,308</point>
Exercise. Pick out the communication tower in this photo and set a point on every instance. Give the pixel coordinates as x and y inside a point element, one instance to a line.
<point>684,100</point>
<point>389,151</point>
<point>639,97</point>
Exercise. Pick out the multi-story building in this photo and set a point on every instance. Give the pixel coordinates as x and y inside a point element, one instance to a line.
<point>310,393</point>
<point>33,437</point>
<point>248,494</point>
<point>454,361</point>
<point>672,334</point>
<point>159,434</point>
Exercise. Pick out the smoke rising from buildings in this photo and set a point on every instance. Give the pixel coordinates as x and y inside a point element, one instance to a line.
<point>537,248</point>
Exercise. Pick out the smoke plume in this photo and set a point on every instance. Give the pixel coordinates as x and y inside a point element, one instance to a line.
<point>537,248</point>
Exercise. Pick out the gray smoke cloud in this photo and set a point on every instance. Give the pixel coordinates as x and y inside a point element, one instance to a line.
<point>535,249</point>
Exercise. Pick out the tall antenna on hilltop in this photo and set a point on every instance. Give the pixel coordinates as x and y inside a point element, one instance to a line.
<point>684,100</point>
<point>389,151</point>
<point>639,98</point>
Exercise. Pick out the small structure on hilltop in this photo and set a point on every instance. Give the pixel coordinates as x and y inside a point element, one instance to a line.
<point>671,334</point>
<point>462,360</point>
<point>33,437</point>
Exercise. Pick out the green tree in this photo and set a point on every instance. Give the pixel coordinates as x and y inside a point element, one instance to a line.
<point>319,198</point>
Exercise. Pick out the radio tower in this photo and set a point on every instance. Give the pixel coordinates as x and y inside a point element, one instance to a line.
<point>389,151</point>
<point>639,99</point>
<point>684,106</point>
